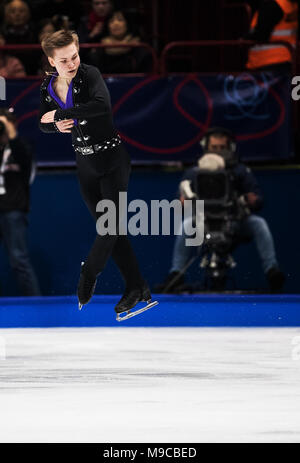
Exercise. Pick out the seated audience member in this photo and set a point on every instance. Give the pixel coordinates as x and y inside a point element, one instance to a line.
<point>61,22</point>
<point>253,226</point>
<point>10,66</point>
<point>120,59</point>
<point>69,9</point>
<point>45,26</point>
<point>17,28</point>
<point>16,172</point>
<point>91,26</point>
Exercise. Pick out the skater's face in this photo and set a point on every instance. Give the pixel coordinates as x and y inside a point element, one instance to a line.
<point>66,60</point>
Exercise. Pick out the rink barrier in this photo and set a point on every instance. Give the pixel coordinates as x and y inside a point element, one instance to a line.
<point>173,311</point>
<point>204,44</point>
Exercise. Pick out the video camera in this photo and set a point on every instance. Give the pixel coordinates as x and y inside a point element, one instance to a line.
<point>223,213</point>
<point>214,183</point>
<point>222,209</point>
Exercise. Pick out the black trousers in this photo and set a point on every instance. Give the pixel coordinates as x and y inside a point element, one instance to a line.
<point>102,176</point>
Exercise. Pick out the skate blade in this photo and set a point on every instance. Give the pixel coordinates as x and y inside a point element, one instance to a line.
<point>137,312</point>
<point>80,306</point>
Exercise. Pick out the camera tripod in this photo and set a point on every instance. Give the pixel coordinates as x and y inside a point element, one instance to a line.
<point>215,259</point>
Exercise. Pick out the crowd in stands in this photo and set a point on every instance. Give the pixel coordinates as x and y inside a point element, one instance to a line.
<point>105,22</point>
<point>97,21</point>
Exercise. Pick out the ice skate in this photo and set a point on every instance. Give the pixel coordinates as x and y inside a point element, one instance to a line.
<point>86,287</point>
<point>130,299</point>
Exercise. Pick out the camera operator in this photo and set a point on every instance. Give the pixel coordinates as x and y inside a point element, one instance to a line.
<point>15,173</point>
<point>254,227</point>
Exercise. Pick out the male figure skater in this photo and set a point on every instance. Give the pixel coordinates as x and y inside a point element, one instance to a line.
<point>75,100</point>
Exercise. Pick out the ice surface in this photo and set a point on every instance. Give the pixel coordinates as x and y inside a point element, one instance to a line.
<point>150,385</point>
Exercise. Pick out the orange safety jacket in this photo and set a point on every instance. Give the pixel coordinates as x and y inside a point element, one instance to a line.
<point>285,30</point>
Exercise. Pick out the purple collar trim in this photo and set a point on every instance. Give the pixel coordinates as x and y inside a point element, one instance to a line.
<point>69,100</point>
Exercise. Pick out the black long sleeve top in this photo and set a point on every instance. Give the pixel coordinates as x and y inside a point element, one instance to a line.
<point>91,108</point>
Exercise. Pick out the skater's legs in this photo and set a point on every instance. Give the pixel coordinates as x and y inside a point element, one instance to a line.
<point>127,263</point>
<point>95,188</point>
<point>90,184</point>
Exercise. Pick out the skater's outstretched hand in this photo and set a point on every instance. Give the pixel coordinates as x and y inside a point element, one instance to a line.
<point>65,126</point>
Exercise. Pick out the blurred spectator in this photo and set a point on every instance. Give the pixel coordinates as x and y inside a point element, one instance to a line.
<point>45,27</point>
<point>119,30</point>
<point>61,22</point>
<point>69,9</point>
<point>17,28</point>
<point>273,20</point>
<point>91,27</point>
<point>10,66</point>
<point>15,174</point>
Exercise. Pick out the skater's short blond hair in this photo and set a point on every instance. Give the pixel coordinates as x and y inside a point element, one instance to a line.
<point>58,39</point>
